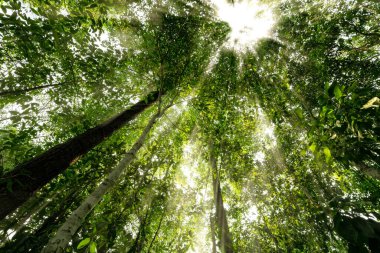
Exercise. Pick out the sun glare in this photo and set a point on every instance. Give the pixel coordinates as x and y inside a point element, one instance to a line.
<point>248,19</point>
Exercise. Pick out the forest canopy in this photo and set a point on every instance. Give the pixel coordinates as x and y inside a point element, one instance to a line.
<point>189,126</point>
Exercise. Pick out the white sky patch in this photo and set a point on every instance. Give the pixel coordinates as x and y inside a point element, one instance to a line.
<point>251,214</point>
<point>201,233</point>
<point>259,157</point>
<point>187,149</point>
<point>269,131</point>
<point>266,133</point>
<point>103,38</point>
<point>14,110</point>
<point>10,234</point>
<point>189,165</point>
<point>64,12</point>
<point>248,20</point>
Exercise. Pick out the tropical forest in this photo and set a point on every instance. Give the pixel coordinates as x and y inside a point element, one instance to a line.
<point>200,126</point>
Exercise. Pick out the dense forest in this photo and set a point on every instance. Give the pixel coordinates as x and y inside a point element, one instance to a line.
<point>145,126</point>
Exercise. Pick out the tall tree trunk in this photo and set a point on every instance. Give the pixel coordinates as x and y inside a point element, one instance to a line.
<point>26,241</point>
<point>360,233</point>
<point>367,170</point>
<point>224,235</point>
<point>59,242</point>
<point>22,221</point>
<point>34,174</point>
<point>212,226</point>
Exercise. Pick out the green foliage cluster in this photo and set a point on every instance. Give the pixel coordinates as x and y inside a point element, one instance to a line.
<point>288,130</point>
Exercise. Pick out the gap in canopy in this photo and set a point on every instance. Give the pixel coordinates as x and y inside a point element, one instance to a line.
<point>249,20</point>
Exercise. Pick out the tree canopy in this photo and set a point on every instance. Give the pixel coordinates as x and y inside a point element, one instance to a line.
<point>138,126</point>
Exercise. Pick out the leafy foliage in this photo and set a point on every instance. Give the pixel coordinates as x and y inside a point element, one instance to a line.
<point>294,123</point>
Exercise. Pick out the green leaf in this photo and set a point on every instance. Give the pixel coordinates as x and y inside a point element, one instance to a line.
<point>337,92</point>
<point>327,153</point>
<point>83,243</point>
<point>9,185</point>
<point>16,119</point>
<point>93,247</point>
<point>327,87</point>
<point>299,113</point>
<point>312,147</point>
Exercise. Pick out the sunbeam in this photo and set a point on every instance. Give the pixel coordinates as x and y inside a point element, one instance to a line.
<point>249,21</point>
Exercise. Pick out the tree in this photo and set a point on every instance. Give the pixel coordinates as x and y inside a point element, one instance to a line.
<point>224,235</point>
<point>273,148</point>
<point>71,225</point>
<point>19,184</point>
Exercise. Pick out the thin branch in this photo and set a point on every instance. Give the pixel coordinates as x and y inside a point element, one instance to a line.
<point>16,92</point>
<point>156,233</point>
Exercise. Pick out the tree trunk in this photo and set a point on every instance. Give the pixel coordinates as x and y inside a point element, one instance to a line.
<point>224,235</point>
<point>26,241</point>
<point>212,226</point>
<point>22,221</point>
<point>34,174</point>
<point>360,233</point>
<point>367,170</point>
<point>59,242</point>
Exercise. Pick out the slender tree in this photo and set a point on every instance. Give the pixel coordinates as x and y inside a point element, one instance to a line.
<point>26,240</point>
<point>156,232</point>
<point>294,122</point>
<point>224,236</point>
<point>59,242</point>
<point>27,178</point>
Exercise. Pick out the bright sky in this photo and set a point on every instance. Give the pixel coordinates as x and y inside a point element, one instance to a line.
<point>248,20</point>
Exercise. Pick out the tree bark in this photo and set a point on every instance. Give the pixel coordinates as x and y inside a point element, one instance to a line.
<point>360,233</point>
<point>212,227</point>
<point>367,170</point>
<point>59,242</point>
<point>34,174</point>
<point>22,221</point>
<point>224,235</point>
<point>26,241</point>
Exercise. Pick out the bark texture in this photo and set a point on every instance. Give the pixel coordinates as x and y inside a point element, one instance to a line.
<point>367,170</point>
<point>22,221</point>
<point>212,227</point>
<point>25,240</point>
<point>361,234</point>
<point>64,234</point>
<point>34,174</point>
<point>224,236</point>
